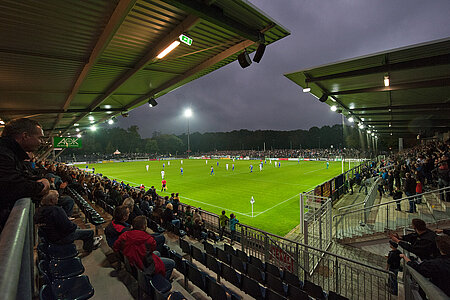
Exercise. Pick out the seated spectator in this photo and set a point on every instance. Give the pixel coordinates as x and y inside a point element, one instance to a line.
<point>118,224</point>
<point>169,217</point>
<point>421,243</point>
<point>176,203</point>
<point>188,225</point>
<point>437,269</point>
<point>133,208</point>
<point>56,228</point>
<point>198,231</point>
<point>138,246</point>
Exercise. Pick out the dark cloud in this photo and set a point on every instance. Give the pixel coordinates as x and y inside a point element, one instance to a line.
<point>322,32</point>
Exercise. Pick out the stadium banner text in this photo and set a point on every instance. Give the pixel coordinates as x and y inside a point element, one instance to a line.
<point>66,142</point>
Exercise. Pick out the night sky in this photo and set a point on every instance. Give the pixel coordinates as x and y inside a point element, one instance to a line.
<point>322,32</point>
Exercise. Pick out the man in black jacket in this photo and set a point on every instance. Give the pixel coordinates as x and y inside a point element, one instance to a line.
<point>16,181</point>
<point>422,242</point>
<point>410,191</point>
<point>56,228</point>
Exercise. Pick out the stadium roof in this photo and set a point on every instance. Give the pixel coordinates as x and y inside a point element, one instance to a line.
<point>417,99</point>
<point>62,62</point>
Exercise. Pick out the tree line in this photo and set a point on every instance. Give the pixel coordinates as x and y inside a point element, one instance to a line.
<point>107,140</point>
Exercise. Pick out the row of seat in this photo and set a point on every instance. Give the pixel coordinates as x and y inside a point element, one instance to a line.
<point>90,213</point>
<point>61,272</point>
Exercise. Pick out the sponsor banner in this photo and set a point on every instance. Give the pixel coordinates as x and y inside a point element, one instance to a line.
<point>283,158</point>
<point>282,257</point>
<point>66,142</point>
<point>79,163</point>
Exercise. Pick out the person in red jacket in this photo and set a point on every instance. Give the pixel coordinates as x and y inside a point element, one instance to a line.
<point>139,246</point>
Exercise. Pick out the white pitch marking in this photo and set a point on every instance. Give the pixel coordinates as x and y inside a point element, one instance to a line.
<point>241,213</point>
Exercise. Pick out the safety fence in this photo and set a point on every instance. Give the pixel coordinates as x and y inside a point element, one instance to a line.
<point>16,253</point>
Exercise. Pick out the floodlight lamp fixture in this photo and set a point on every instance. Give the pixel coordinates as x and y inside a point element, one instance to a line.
<point>188,113</point>
<point>373,134</point>
<point>323,98</point>
<point>168,49</point>
<point>107,106</point>
<point>77,130</point>
<point>2,122</point>
<point>91,118</point>
<point>110,121</point>
<point>93,128</point>
<point>333,108</point>
<point>351,120</point>
<point>368,131</point>
<point>386,80</point>
<point>306,90</point>
<point>79,135</point>
<point>390,125</point>
<point>109,112</point>
<point>76,124</point>
<point>152,102</point>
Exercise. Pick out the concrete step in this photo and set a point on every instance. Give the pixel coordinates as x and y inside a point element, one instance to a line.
<point>358,254</point>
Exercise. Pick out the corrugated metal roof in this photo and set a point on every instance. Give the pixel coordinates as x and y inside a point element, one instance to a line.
<point>416,101</point>
<point>61,61</point>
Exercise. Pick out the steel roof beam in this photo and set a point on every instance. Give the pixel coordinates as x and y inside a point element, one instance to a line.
<point>206,64</point>
<point>400,113</point>
<point>118,16</point>
<point>214,14</point>
<point>396,87</point>
<point>403,121</point>
<point>405,107</point>
<point>55,111</point>
<point>407,65</point>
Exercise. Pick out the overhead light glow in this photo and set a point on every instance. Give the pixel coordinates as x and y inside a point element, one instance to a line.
<point>2,122</point>
<point>109,112</point>
<point>361,126</point>
<point>76,124</point>
<point>79,135</point>
<point>368,131</point>
<point>386,80</point>
<point>92,122</point>
<point>362,119</point>
<point>351,120</point>
<point>110,122</point>
<point>168,49</point>
<point>107,106</point>
<point>333,108</point>
<point>93,128</point>
<point>188,113</point>
<point>373,134</point>
<point>390,125</point>
<point>77,130</point>
<point>91,118</point>
<point>307,90</point>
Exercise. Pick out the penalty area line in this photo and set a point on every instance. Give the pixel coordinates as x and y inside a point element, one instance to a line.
<point>224,208</point>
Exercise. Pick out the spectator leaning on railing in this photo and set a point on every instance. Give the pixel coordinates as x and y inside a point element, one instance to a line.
<point>19,137</point>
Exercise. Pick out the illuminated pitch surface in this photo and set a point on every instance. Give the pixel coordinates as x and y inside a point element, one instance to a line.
<point>275,190</point>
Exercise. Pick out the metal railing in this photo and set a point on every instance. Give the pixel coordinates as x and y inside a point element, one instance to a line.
<point>16,253</point>
<point>332,272</point>
<point>411,276</point>
<point>391,215</point>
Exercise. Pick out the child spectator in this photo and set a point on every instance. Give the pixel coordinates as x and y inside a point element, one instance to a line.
<point>393,265</point>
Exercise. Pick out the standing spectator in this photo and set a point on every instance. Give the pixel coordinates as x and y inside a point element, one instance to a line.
<point>410,191</point>
<point>397,195</point>
<point>233,222</point>
<point>393,265</point>
<point>438,269</point>
<point>421,243</point>
<point>223,220</point>
<point>16,181</point>
<point>419,191</point>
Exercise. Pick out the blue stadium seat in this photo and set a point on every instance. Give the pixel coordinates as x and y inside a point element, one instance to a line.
<point>213,264</point>
<point>66,251</point>
<point>65,268</point>
<point>185,246</point>
<point>196,276</point>
<point>198,255</point>
<point>160,287</point>
<point>272,269</point>
<point>78,288</point>
<point>242,255</point>
<point>252,288</point>
<point>230,275</point>
<point>256,273</point>
<point>334,296</point>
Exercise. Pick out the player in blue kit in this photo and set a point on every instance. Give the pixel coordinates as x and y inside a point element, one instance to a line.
<point>212,171</point>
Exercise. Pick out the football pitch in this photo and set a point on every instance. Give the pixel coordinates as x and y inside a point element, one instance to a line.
<point>275,189</point>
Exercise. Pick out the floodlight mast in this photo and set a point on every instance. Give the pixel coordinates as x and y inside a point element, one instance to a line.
<point>188,115</point>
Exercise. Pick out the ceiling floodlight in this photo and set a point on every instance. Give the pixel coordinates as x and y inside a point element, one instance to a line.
<point>76,124</point>
<point>323,98</point>
<point>351,120</point>
<point>77,130</point>
<point>188,113</point>
<point>373,134</point>
<point>107,106</point>
<point>391,133</point>
<point>168,49</point>
<point>109,112</point>
<point>368,131</point>
<point>362,119</point>
<point>92,122</point>
<point>390,125</point>
<point>79,135</point>
<point>2,122</point>
<point>110,121</point>
<point>91,118</point>
<point>152,102</point>
<point>93,128</point>
<point>361,126</point>
<point>386,80</point>
<point>244,60</point>
<point>307,90</point>
<point>333,108</point>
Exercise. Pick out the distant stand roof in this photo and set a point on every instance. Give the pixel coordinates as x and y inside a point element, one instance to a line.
<point>417,100</point>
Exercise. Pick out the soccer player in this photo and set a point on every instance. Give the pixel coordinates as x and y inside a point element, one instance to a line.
<point>260,166</point>
<point>251,168</point>
<point>163,165</point>
<point>206,162</point>
<point>162,174</point>
<point>163,185</point>
<point>217,163</point>
<point>279,164</point>
<point>212,171</point>
<point>328,164</point>
<point>181,170</point>
<point>147,167</point>
<point>232,167</point>
<point>168,163</point>
<point>226,166</point>
<point>181,161</point>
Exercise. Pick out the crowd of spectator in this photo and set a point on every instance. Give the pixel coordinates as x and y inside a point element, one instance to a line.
<point>326,153</point>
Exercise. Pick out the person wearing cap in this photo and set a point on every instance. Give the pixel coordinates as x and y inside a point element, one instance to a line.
<point>393,265</point>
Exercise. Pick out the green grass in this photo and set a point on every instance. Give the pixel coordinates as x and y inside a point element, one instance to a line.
<point>275,190</point>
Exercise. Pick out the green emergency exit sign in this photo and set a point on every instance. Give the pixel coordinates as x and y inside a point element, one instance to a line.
<point>185,39</point>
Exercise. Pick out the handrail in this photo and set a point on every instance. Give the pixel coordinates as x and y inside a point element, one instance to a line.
<point>286,253</point>
<point>16,263</point>
<point>317,249</point>
<point>390,202</point>
<point>365,198</point>
<point>431,290</point>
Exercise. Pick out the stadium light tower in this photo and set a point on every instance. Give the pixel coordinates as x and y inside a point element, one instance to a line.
<point>188,115</point>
